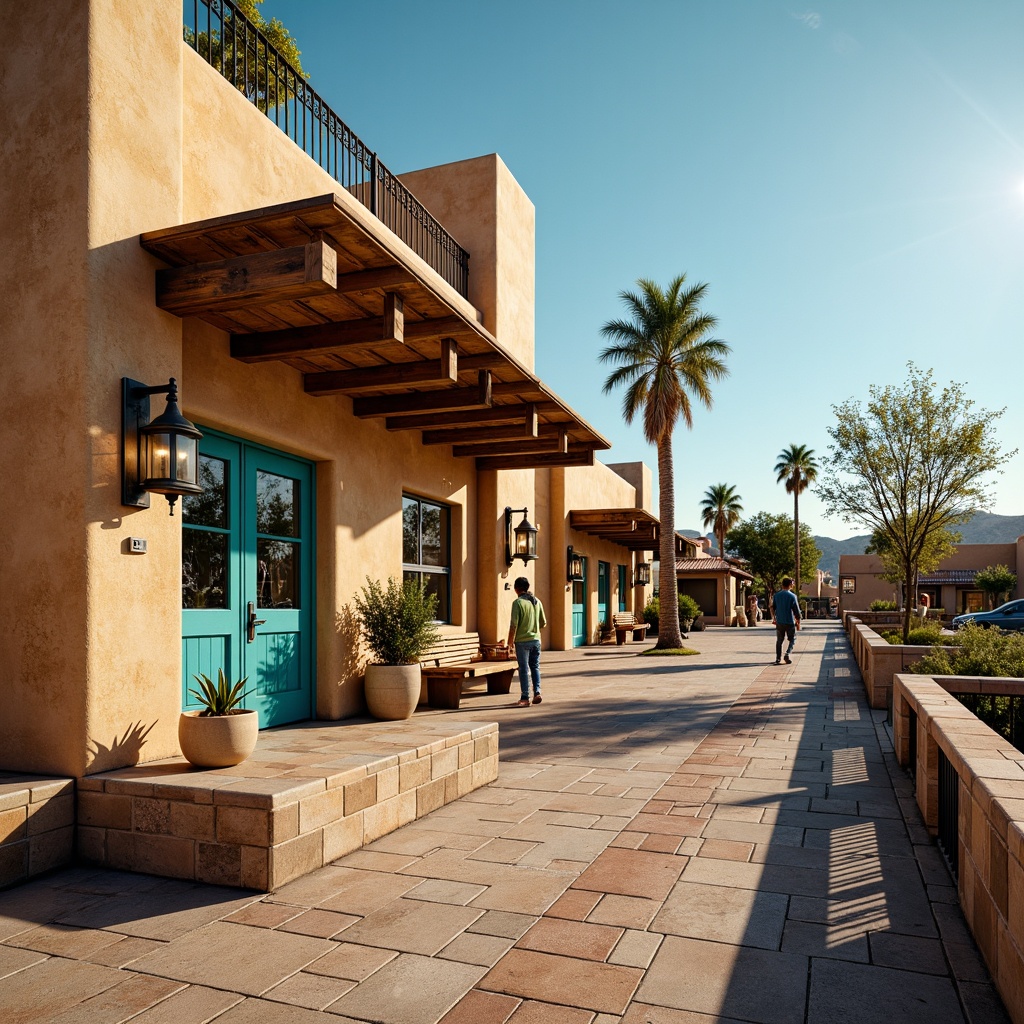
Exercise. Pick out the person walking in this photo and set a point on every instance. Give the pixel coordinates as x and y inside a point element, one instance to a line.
<point>526,622</point>
<point>786,616</point>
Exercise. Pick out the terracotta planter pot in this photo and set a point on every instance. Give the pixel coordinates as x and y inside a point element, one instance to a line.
<point>219,741</point>
<point>392,691</point>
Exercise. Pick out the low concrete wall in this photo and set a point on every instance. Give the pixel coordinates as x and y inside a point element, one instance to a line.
<point>37,825</point>
<point>990,823</point>
<point>879,660</point>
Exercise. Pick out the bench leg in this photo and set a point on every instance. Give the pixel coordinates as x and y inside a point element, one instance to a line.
<point>500,682</point>
<point>620,637</point>
<point>444,692</point>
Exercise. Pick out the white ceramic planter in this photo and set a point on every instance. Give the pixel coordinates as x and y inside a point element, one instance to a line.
<point>392,691</point>
<point>218,741</point>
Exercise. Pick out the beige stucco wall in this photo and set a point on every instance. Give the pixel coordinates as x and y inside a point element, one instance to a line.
<point>967,556</point>
<point>92,668</point>
<point>482,205</point>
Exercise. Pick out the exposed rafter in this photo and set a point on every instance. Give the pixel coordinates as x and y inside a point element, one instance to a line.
<point>473,418</point>
<point>263,277</point>
<point>558,443</point>
<point>448,400</point>
<point>571,458</point>
<point>392,376</point>
<point>497,432</point>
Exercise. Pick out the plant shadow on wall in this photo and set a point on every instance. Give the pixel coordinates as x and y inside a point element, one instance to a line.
<point>346,629</point>
<point>124,750</point>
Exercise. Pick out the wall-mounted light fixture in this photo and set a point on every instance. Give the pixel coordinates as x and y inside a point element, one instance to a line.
<point>160,455</point>
<point>573,566</point>
<point>524,544</point>
<point>642,574</point>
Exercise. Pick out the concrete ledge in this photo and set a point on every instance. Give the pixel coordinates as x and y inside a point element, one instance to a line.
<point>309,794</point>
<point>990,824</point>
<point>37,819</point>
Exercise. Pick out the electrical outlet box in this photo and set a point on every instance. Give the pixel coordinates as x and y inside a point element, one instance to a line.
<point>137,545</point>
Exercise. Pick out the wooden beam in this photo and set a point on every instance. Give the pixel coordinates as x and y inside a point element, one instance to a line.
<point>293,342</point>
<point>394,376</point>
<point>394,317</point>
<point>371,280</point>
<point>449,400</point>
<point>578,458</point>
<point>518,388</point>
<point>558,444</point>
<point>526,430</point>
<point>480,417</point>
<point>255,280</point>
<point>484,361</point>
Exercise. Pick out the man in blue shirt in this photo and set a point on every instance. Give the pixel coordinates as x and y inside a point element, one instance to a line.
<point>786,616</point>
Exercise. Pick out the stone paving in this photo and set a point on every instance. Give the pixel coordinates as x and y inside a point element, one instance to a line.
<point>669,841</point>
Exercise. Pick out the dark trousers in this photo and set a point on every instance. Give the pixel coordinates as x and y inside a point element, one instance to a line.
<point>784,632</point>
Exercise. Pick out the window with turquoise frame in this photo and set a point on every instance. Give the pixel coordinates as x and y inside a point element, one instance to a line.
<point>622,588</point>
<point>426,549</point>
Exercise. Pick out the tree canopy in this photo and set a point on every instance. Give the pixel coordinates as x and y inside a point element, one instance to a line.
<point>910,464</point>
<point>766,543</point>
<point>666,359</point>
<point>996,580</point>
<point>798,467</point>
<point>721,510</point>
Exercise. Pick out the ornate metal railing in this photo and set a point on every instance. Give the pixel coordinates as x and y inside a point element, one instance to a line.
<point>1002,714</point>
<point>229,42</point>
<point>949,813</point>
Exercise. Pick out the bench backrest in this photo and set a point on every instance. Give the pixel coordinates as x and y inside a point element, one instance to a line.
<point>624,619</point>
<point>452,650</point>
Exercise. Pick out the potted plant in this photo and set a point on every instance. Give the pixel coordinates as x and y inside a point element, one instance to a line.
<point>688,611</point>
<point>219,734</point>
<point>398,625</point>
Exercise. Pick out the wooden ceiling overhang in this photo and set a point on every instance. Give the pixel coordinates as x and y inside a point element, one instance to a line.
<point>334,294</point>
<point>632,528</point>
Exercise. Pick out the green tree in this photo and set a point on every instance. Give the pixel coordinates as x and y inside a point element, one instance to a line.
<point>798,467</point>
<point>996,581</point>
<point>936,550</point>
<point>264,65</point>
<point>664,358</point>
<point>721,509</point>
<point>766,542</point>
<point>910,464</point>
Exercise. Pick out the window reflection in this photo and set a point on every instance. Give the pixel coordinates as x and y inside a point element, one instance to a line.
<point>277,504</point>
<point>277,574</point>
<point>410,530</point>
<point>426,549</point>
<point>211,507</point>
<point>204,569</point>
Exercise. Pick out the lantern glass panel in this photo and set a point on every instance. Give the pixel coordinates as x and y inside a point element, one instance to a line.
<point>158,457</point>
<point>188,459</point>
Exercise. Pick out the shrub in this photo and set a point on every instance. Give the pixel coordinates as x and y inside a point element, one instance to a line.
<point>980,652</point>
<point>688,608</point>
<point>883,606</point>
<point>397,621</point>
<point>652,613</point>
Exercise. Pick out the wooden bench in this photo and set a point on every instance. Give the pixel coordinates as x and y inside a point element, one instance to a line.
<point>455,660</point>
<point>625,622</point>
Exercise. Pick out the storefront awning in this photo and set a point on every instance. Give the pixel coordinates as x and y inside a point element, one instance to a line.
<point>321,287</point>
<point>632,528</point>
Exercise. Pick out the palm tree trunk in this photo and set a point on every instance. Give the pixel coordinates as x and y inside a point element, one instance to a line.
<point>796,541</point>
<point>669,634</point>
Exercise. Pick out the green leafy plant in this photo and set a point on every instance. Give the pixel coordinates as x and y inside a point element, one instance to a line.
<point>688,608</point>
<point>220,698</point>
<point>923,636</point>
<point>978,652</point>
<point>882,606</point>
<point>652,613</point>
<point>397,620</point>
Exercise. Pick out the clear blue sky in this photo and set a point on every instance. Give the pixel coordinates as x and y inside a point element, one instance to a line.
<point>848,178</point>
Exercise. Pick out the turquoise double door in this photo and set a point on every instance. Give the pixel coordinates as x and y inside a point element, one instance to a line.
<point>247,577</point>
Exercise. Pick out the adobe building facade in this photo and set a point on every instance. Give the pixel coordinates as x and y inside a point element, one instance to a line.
<point>951,587</point>
<point>125,157</point>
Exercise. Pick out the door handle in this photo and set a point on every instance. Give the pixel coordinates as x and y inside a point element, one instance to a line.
<point>253,623</point>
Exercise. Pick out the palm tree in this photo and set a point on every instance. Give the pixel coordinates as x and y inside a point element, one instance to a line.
<point>721,508</point>
<point>798,467</point>
<point>664,358</point>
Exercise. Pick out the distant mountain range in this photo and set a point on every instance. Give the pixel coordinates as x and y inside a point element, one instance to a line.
<point>984,528</point>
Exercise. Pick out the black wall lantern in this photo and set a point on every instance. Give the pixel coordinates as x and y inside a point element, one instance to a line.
<point>160,455</point>
<point>573,566</point>
<point>642,575</point>
<point>524,544</point>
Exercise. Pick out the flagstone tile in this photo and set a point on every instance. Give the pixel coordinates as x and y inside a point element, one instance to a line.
<point>632,873</point>
<point>723,914</point>
<point>411,926</point>
<point>315,991</point>
<point>410,990</point>
<point>571,938</point>
<point>476,948</point>
<point>503,851</point>
<point>320,923</point>
<point>604,988</point>
<point>264,915</point>
<point>821,940</point>
<point>133,995</point>
<point>477,1007</point>
<point>48,988</point>
<point>635,948</point>
<point>532,1012</point>
<point>259,958</point>
<point>624,911</point>
<point>574,905</point>
<point>194,1004</point>
<point>351,962</point>
<point>367,895</point>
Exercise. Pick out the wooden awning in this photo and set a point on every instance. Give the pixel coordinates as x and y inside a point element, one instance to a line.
<point>333,293</point>
<point>632,528</point>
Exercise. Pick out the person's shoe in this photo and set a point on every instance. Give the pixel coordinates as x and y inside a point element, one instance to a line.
<point>788,660</point>
<point>778,662</point>
<point>537,699</point>
<point>523,704</point>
